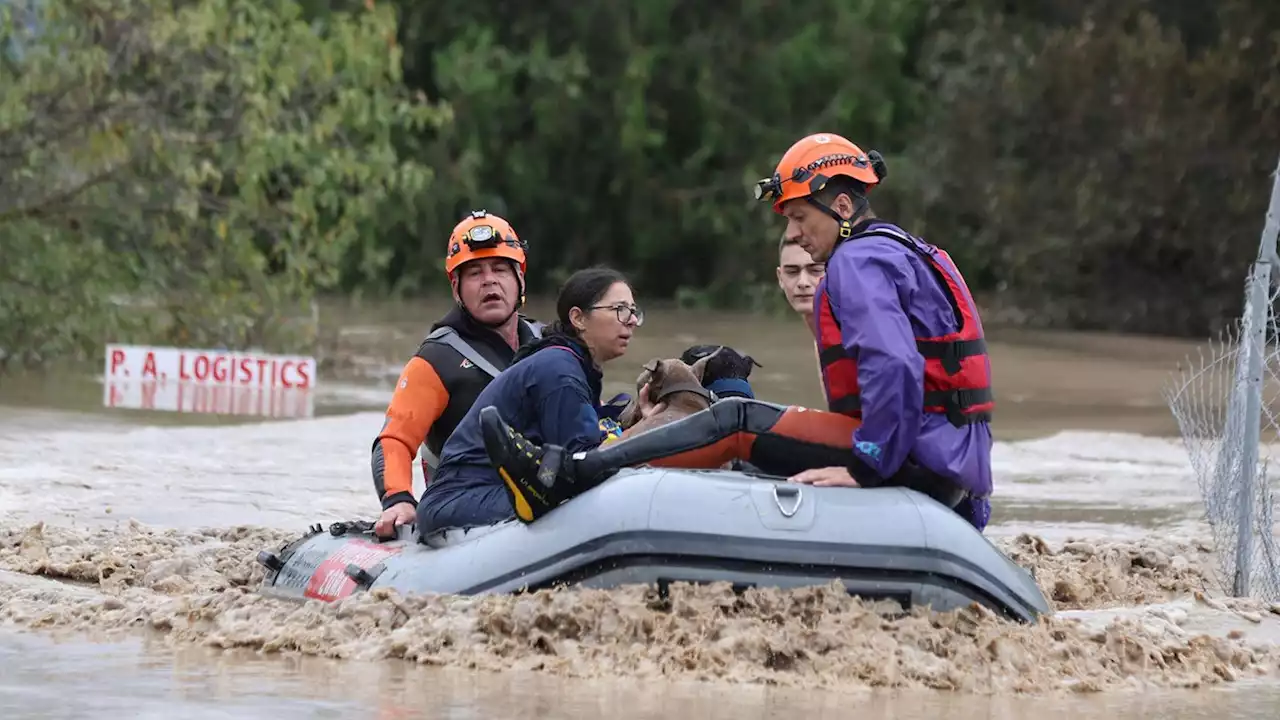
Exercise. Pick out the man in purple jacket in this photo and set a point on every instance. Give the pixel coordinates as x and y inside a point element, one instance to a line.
<point>904,366</point>
<point>899,336</point>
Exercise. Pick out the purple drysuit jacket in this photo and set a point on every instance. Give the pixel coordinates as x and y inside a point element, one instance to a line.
<point>884,296</point>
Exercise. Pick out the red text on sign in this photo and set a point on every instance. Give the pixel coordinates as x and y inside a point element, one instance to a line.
<point>226,369</point>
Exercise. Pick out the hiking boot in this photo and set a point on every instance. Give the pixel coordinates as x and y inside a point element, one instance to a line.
<point>531,474</point>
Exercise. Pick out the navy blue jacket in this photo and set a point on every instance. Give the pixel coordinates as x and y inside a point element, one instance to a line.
<point>550,394</point>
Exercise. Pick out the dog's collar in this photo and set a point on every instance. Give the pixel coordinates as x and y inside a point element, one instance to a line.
<point>730,387</point>
<point>689,387</point>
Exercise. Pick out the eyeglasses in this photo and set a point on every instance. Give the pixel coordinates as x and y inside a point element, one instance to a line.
<point>624,312</point>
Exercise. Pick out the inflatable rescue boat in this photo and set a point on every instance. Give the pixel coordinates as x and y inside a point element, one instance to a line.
<point>660,526</point>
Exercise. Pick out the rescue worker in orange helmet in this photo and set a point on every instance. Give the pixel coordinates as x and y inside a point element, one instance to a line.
<point>899,337</point>
<point>485,261</point>
<point>903,358</point>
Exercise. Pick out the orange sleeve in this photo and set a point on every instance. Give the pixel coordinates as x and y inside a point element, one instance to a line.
<point>419,399</point>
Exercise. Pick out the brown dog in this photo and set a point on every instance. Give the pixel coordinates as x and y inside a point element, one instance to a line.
<point>671,382</point>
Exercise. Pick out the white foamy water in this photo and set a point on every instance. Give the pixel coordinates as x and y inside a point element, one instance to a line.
<point>1095,484</point>
<point>279,474</point>
<point>292,473</point>
<point>93,470</point>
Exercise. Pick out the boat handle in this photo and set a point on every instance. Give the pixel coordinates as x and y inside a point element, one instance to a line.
<point>789,490</point>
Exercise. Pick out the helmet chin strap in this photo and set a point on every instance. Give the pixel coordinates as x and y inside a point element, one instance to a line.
<point>860,207</point>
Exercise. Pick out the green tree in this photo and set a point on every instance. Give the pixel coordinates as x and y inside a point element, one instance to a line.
<point>631,133</point>
<point>1102,165</point>
<point>191,172</point>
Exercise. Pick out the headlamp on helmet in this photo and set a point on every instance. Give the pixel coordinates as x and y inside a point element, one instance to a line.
<point>482,236</point>
<point>769,188</point>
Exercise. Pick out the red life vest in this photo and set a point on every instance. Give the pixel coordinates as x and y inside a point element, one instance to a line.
<point>957,373</point>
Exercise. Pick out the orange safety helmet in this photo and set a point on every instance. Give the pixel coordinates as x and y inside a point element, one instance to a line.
<point>812,162</point>
<point>481,235</point>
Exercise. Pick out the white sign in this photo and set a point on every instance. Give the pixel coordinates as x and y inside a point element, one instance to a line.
<point>213,367</point>
<point>208,381</point>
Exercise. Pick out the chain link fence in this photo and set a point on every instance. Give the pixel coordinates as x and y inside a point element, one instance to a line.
<point>1227,405</point>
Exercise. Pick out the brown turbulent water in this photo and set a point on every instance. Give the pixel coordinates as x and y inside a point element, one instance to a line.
<point>126,545</point>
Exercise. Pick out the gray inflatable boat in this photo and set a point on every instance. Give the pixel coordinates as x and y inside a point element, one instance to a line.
<point>660,526</point>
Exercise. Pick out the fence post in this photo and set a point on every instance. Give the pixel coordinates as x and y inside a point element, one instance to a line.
<point>1257,312</point>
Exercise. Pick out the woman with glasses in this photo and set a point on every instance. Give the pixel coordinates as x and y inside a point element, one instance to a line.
<point>550,392</point>
<point>918,373</point>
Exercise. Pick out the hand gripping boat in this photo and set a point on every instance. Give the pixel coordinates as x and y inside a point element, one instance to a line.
<point>658,526</point>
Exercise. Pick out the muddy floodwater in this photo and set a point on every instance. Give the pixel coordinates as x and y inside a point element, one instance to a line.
<point>127,541</point>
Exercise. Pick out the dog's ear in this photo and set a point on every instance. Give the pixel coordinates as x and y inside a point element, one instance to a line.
<point>647,372</point>
<point>700,368</point>
<point>651,375</point>
<point>656,371</point>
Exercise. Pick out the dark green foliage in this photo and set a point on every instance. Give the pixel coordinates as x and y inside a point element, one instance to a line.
<point>1092,164</point>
